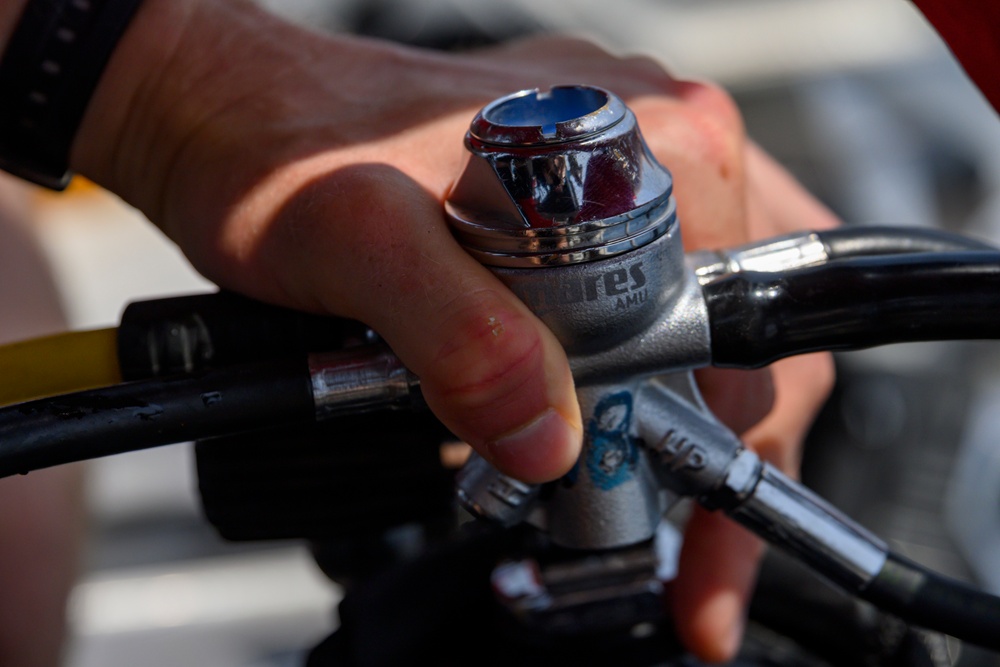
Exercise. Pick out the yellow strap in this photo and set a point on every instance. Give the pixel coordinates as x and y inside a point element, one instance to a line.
<point>58,364</point>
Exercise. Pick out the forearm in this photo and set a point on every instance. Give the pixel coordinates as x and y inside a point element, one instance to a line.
<point>41,524</point>
<point>10,12</point>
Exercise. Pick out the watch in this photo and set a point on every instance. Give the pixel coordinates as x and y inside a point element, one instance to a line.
<point>48,73</point>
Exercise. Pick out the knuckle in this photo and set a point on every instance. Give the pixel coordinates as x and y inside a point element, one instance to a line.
<point>569,45</point>
<point>545,50</point>
<point>713,100</point>
<point>651,72</point>
<point>697,123</point>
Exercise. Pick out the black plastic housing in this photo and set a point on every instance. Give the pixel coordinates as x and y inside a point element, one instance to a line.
<point>182,334</point>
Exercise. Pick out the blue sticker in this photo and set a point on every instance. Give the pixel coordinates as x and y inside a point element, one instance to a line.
<point>613,453</point>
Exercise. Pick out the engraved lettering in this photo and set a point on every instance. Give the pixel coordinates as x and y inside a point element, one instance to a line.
<point>678,453</point>
<point>615,282</point>
<point>542,295</point>
<point>638,277</point>
<point>570,292</point>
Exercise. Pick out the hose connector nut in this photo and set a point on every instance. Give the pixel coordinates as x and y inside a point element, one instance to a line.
<point>489,494</point>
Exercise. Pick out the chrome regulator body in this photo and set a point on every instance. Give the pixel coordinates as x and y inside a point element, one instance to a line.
<point>563,200</point>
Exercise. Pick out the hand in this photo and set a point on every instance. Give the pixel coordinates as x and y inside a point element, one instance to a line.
<point>719,559</point>
<point>310,171</point>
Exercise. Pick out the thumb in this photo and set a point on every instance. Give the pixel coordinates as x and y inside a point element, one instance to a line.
<point>498,378</point>
<point>489,369</point>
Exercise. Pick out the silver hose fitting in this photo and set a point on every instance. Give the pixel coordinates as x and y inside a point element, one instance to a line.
<point>361,378</point>
<point>558,177</point>
<point>797,520</point>
<point>492,495</point>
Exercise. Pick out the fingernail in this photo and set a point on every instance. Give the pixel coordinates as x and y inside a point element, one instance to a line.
<point>539,451</point>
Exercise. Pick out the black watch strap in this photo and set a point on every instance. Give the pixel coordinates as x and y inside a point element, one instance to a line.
<point>48,73</point>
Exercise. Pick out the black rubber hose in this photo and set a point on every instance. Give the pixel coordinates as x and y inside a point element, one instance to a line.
<point>757,318</point>
<point>845,242</point>
<point>149,413</point>
<point>929,600</point>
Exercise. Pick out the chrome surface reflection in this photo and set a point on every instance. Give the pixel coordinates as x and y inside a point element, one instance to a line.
<point>561,176</point>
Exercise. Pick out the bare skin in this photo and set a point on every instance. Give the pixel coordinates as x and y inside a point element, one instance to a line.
<point>42,518</point>
<point>310,171</point>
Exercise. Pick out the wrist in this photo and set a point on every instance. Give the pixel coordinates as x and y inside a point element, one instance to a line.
<point>53,56</point>
<point>126,96</point>
<point>191,86</point>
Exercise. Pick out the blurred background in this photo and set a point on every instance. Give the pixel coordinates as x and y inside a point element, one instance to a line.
<point>858,98</point>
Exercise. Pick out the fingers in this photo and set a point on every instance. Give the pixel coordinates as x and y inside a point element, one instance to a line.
<point>777,203</point>
<point>698,136</point>
<point>740,399</point>
<point>715,579</point>
<point>719,560</point>
<point>370,243</point>
<point>801,386</point>
<point>718,565</point>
